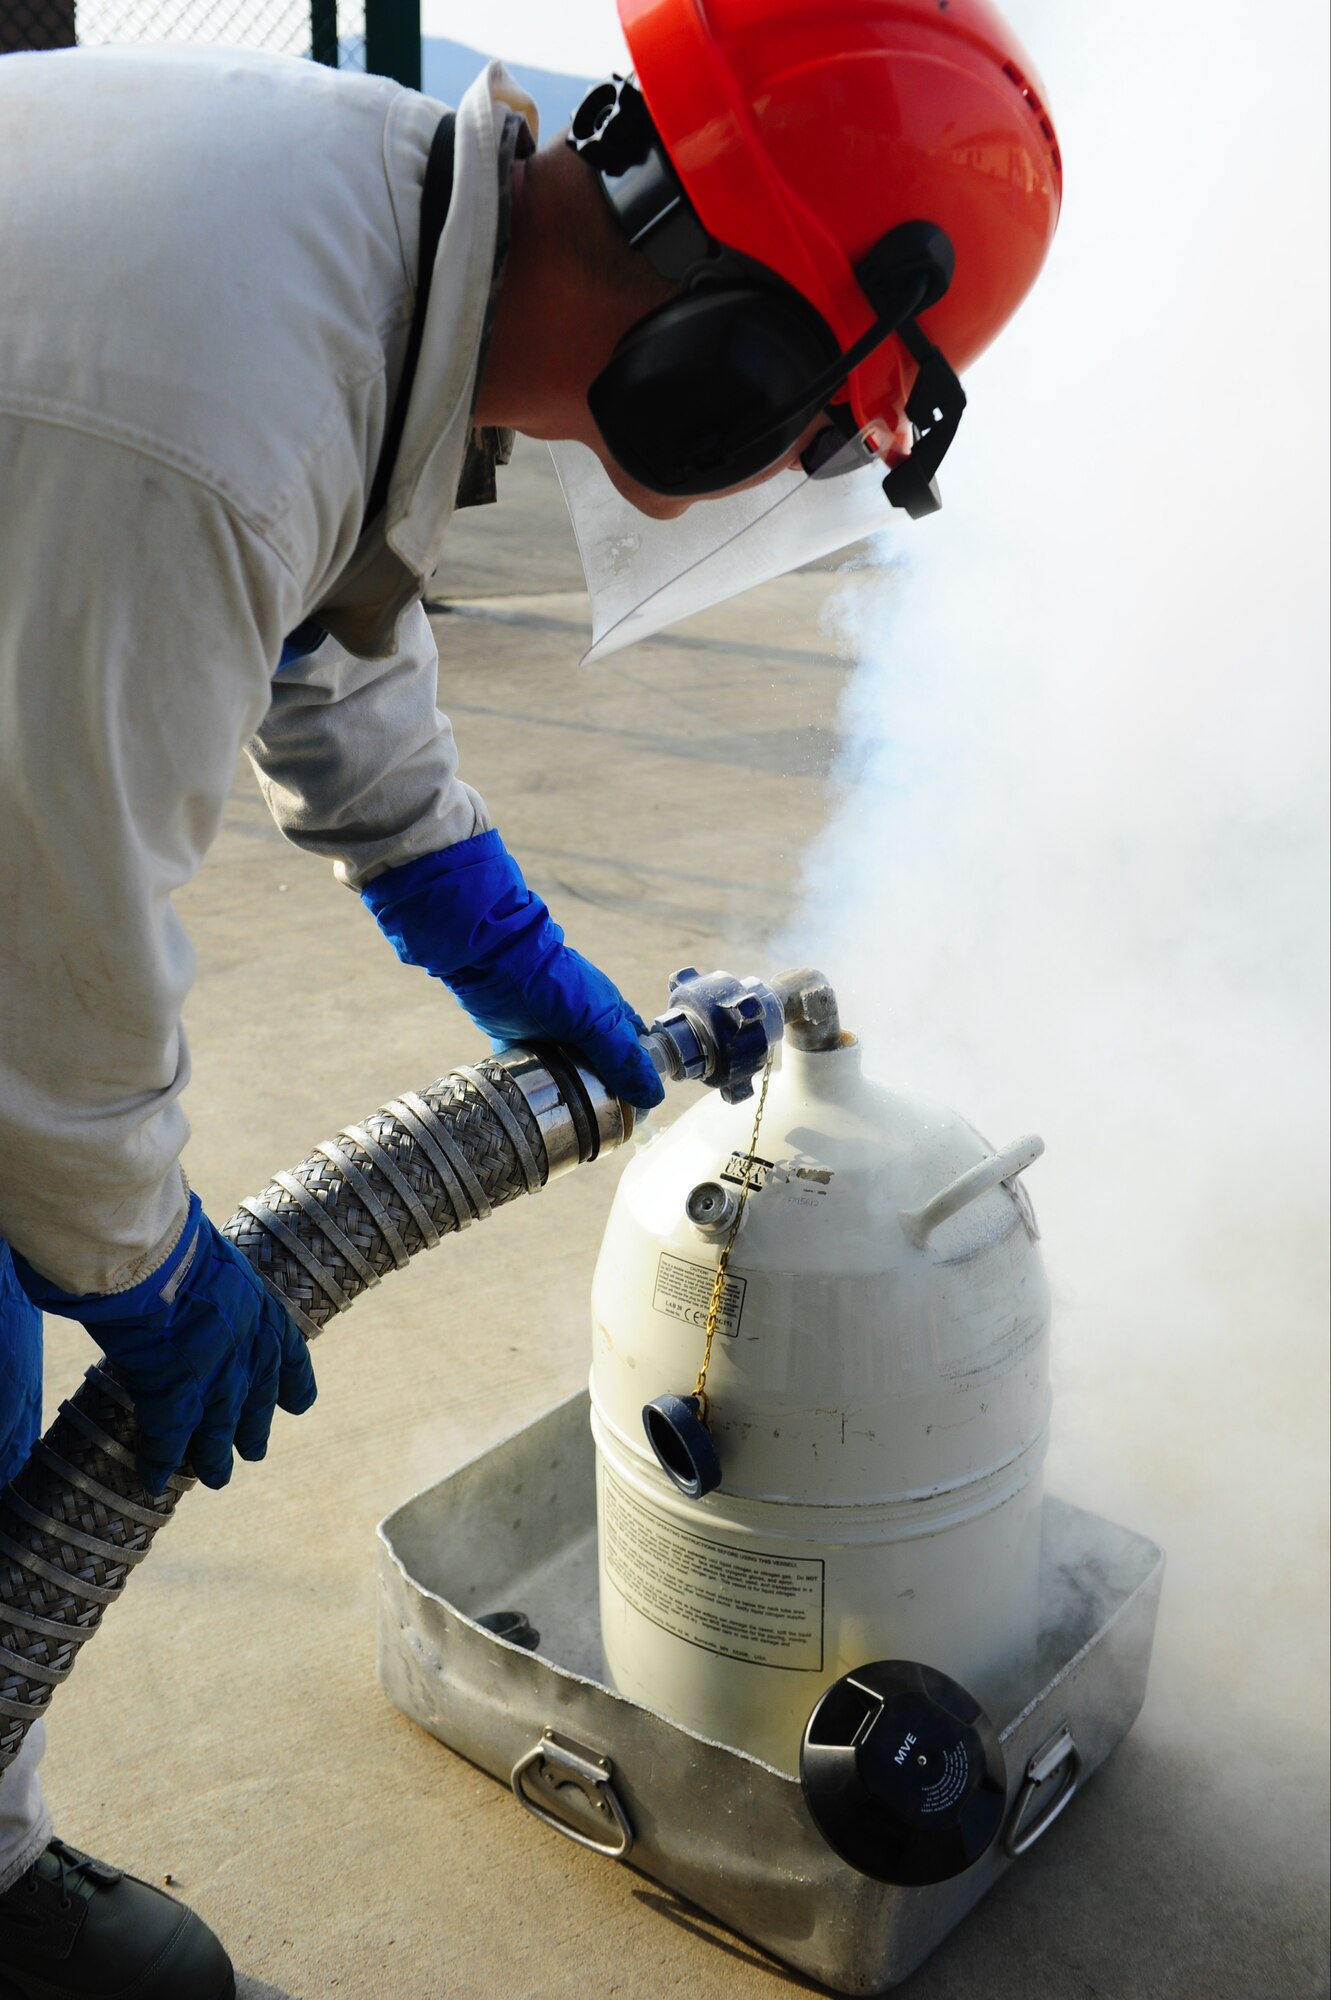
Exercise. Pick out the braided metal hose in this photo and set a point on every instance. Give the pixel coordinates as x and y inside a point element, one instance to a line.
<point>76,1521</point>
<point>364,1203</point>
<point>73,1525</point>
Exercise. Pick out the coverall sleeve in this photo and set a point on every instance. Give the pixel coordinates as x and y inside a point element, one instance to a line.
<point>134,664</point>
<point>357,763</point>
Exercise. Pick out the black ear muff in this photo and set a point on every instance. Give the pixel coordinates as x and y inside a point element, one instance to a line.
<point>718,386</point>
<point>711,389</point>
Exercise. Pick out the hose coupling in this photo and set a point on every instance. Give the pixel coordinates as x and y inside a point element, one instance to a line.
<point>719,1031</point>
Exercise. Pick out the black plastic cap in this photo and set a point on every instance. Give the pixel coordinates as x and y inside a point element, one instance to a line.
<point>903,1773</point>
<point>682,1444</point>
<point>515,1626</point>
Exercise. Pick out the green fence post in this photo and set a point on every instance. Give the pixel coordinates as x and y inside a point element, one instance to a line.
<point>393,40</point>
<point>323,32</point>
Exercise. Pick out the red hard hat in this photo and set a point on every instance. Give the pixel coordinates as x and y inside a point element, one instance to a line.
<point>804,130</point>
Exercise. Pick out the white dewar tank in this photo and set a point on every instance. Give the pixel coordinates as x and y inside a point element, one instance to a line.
<point>878,1395</point>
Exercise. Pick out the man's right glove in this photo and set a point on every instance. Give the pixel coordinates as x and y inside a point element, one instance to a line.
<point>467,916</point>
<point>203,1347</point>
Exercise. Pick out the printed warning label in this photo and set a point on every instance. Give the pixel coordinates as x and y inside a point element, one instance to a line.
<point>745,1606</point>
<point>684,1291</point>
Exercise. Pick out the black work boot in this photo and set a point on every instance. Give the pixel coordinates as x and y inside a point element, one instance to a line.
<point>77,1929</point>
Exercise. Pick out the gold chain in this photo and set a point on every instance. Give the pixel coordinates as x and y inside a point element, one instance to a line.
<point>719,1282</point>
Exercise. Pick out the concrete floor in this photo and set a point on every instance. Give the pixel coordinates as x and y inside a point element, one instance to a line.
<point>226,1728</point>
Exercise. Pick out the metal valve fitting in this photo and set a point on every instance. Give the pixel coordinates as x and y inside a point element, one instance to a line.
<point>719,1031</point>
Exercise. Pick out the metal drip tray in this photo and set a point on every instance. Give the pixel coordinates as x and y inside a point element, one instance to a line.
<point>516,1529</point>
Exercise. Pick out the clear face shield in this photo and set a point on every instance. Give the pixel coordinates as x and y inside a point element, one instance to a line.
<point>643,575</point>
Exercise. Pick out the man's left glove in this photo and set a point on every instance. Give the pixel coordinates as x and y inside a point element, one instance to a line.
<point>204,1348</point>
<point>467,916</point>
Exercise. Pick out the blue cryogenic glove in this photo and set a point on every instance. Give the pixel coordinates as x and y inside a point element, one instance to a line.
<point>467,916</point>
<point>203,1347</point>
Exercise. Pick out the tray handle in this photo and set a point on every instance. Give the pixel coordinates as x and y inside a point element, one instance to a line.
<point>557,1761</point>
<point>1058,1759</point>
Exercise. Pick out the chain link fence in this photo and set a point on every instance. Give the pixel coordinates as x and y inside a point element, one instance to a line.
<point>380,35</point>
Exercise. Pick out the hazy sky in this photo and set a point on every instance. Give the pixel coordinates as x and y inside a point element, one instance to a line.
<point>581,36</point>
<point>584,37</point>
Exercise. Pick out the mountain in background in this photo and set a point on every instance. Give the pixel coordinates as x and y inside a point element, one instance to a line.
<point>447,68</point>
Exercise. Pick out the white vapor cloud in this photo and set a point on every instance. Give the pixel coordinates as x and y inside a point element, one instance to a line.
<point>1075,879</point>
